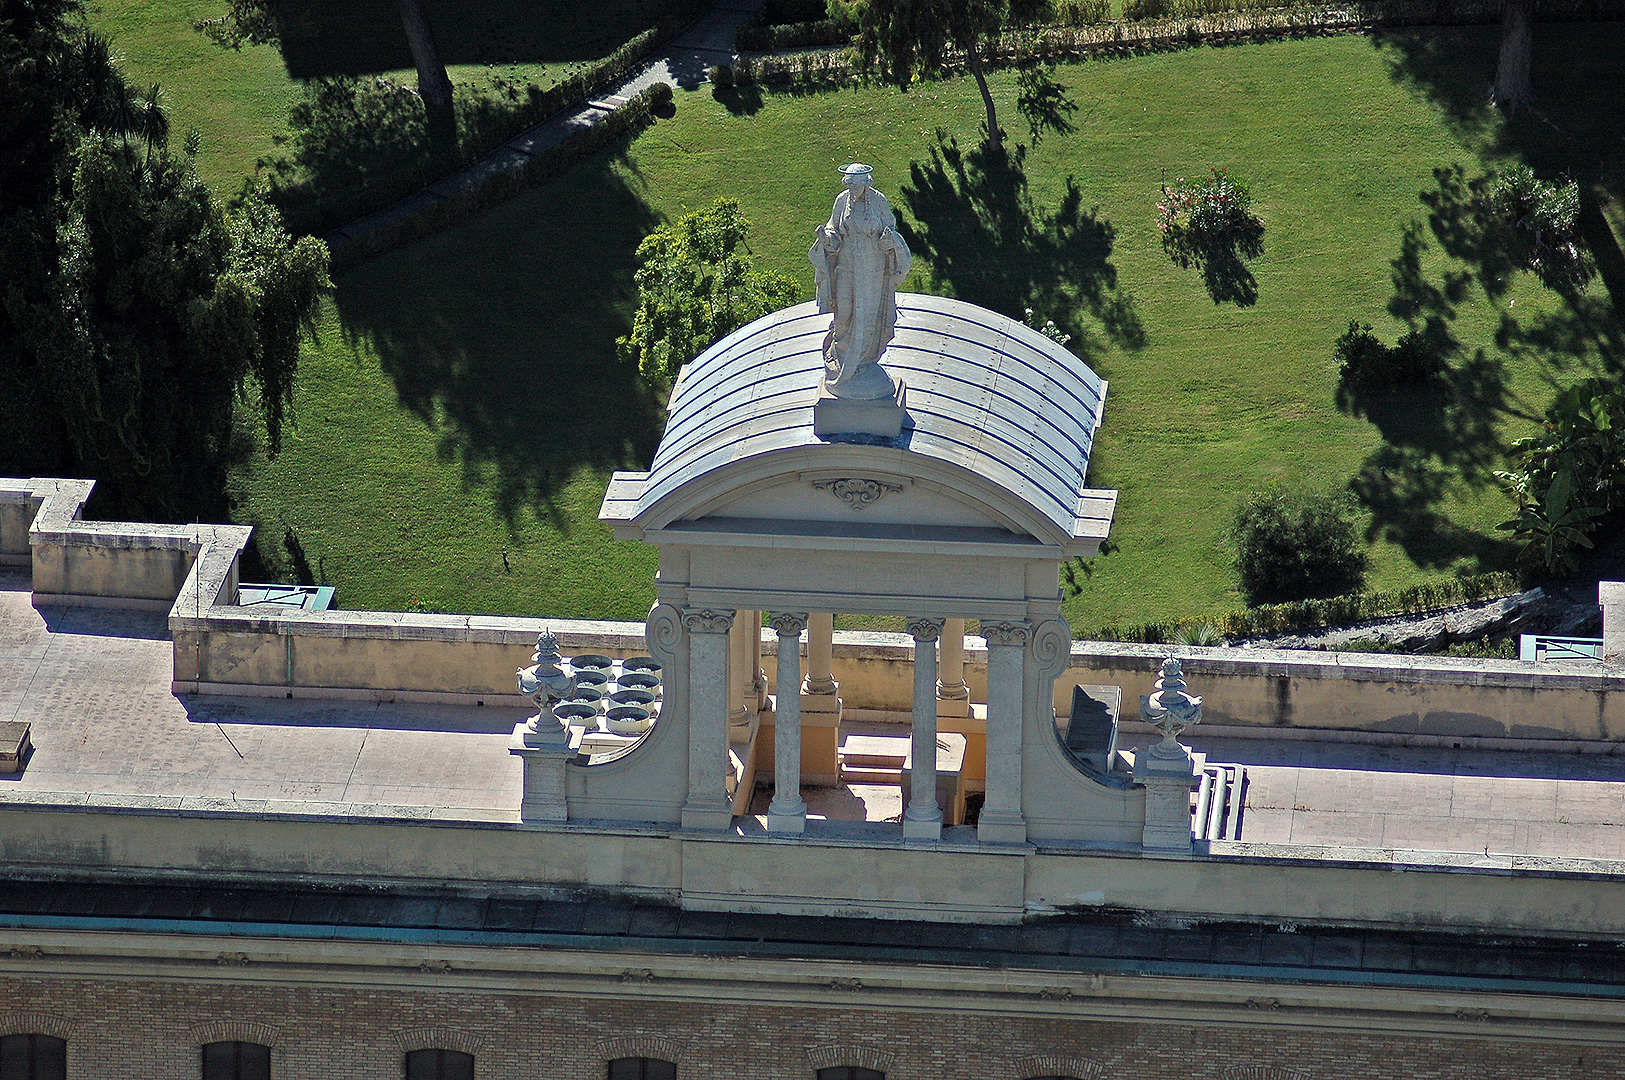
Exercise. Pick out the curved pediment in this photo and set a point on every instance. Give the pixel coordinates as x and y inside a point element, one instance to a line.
<point>1000,424</point>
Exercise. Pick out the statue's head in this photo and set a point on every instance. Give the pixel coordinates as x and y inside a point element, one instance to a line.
<point>857,175</point>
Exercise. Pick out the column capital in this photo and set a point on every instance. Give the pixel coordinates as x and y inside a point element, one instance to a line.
<point>707,620</point>
<point>925,630</point>
<point>787,624</point>
<point>1007,633</point>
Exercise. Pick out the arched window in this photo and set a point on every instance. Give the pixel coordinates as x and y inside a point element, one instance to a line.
<point>642,1069</point>
<point>850,1072</point>
<point>439,1065</point>
<point>236,1061</point>
<point>33,1057</point>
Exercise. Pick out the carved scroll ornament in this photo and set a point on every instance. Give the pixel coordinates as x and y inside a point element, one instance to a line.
<point>857,492</point>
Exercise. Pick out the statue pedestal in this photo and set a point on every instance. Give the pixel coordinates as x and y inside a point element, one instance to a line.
<point>882,417</point>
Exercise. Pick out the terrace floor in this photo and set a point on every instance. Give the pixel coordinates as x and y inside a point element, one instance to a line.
<point>95,686</point>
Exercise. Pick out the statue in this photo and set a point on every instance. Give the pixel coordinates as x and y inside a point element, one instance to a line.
<point>859,259</point>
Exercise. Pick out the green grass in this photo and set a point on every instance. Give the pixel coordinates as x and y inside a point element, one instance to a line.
<point>238,100</point>
<point>464,401</point>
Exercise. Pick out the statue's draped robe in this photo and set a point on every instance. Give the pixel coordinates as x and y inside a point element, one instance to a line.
<point>860,260</point>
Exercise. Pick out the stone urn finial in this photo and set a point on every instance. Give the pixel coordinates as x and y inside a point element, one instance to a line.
<point>1170,709</point>
<point>545,682</point>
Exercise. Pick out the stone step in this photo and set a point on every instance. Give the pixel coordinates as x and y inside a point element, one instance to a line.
<point>870,774</point>
<point>874,750</point>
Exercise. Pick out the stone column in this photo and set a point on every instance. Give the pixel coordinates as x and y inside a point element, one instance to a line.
<point>820,654</point>
<point>787,813</point>
<point>1002,821</point>
<point>1611,598</point>
<point>707,806</point>
<point>758,674</point>
<point>820,706</point>
<point>953,696</point>
<point>923,818</point>
<point>741,671</point>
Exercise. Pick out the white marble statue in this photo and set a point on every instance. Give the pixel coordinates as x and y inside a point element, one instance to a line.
<point>860,259</point>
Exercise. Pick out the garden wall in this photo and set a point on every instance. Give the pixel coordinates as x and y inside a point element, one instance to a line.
<point>220,647</point>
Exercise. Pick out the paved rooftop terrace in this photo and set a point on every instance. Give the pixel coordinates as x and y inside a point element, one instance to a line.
<point>95,686</point>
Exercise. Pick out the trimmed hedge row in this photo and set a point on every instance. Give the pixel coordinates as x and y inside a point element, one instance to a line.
<point>498,186</point>
<point>334,213</point>
<point>1301,615</point>
<point>1158,24</point>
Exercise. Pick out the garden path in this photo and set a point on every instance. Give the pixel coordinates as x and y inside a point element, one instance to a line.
<point>683,62</point>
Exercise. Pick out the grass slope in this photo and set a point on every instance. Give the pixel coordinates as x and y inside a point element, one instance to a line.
<point>463,400</point>
<point>238,100</point>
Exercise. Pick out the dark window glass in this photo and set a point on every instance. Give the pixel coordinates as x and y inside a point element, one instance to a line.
<point>236,1061</point>
<point>33,1057</point>
<point>642,1069</point>
<point>850,1072</point>
<point>439,1065</point>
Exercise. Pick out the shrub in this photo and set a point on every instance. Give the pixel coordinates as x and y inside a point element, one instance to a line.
<point>721,76</point>
<point>660,95</point>
<point>1206,209</point>
<point>1144,9</point>
<point>1080,12</point>
<point>1544,216</point>
<point>1293,546</point>
<point>1572,473</point>
<point>1367,366</point>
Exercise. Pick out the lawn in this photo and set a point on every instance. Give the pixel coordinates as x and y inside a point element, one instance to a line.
<point>461,410</point>
<point>238,100</point>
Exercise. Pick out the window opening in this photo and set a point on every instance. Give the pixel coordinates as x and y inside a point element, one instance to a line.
<point>642,1069</point>
<point>236,1061</point>
<point>33,1057</point>
<point>439,1065</point>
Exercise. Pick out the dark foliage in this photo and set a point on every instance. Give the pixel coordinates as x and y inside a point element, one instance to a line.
<point>134,311</point>
<point>1291,546</point>
<point>1367,366</point>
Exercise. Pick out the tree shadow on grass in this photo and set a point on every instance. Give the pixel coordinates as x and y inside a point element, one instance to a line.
<point>500,335</point>
<point>361,37</point>
<point>975,223</point>
<point>739,100</point>
<point>1222,260</point>
<point>1446,433</point>
<point>1575,129</point>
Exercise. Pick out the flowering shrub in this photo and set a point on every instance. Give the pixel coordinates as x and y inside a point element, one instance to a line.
<point>1545,219</point>
<point>1217,205</point>
<point>1209,224</point>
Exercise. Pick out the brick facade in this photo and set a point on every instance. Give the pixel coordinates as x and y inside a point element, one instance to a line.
<point>135,1028</point>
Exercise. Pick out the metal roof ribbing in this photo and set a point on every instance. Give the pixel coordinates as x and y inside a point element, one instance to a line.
<point>985,393</point>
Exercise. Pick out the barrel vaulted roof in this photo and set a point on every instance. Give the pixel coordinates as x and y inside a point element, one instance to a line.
<point>991,401</point>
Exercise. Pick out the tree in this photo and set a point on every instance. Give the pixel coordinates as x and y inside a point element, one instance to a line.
<point>909,39</point>
<point>254,22</point>
<point>1513,89</point>
<point>696,285</point>
<point>1292,546</point>
<point>135,311</point>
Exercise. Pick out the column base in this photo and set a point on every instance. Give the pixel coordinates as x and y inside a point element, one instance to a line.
<point>994,828</point>
<point>926,829</point>
<point>710,815</point>
<point>787,821</point>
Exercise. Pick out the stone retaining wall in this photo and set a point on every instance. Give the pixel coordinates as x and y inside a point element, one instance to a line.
<point>221,647</point>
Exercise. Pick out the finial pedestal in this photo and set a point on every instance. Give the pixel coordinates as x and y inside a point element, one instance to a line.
<point>881,417</point>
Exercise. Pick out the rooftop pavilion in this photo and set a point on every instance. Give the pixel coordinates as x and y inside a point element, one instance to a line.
<point>981,767</point>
